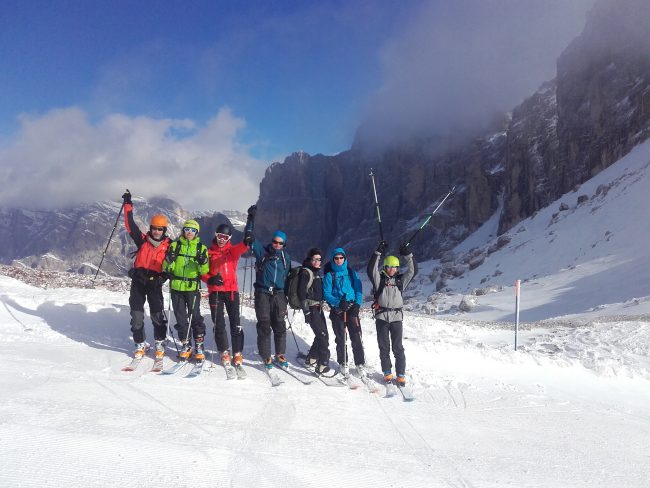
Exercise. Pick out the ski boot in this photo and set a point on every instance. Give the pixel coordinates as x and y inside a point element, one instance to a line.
<point>199,352</point>
<point>361,370</point>
<point>281,360</point>
<point>401,380</point>
<point>311,362</point>
<point>268,363</point>
<point>388,376</point>
<point>139,350</point>
<point>322,369</point>
<point>238,359</point>
<point>225,358</point>
<point>160,349</point>
<point>186,351</point>
<point>343,368</point>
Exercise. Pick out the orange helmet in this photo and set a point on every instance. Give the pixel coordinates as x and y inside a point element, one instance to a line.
<point>159,221</point>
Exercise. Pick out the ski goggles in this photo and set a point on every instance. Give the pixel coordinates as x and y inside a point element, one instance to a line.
<point>223,237</point>
<point>159,229</point>
<point>190,229</point>
<point>391,267</point>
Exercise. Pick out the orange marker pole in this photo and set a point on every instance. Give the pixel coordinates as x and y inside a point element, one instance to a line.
<point>517,298</point>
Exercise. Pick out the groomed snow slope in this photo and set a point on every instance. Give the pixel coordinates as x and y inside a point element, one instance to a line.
<point>570,409</point>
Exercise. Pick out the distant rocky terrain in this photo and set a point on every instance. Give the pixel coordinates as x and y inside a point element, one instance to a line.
<point>594,112</point>
<point>74,239</point>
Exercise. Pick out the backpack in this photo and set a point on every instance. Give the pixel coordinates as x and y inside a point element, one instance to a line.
<point>376,293</point>
<point>291,287</point>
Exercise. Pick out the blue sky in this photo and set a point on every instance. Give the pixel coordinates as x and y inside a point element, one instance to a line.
<point>115,91</point>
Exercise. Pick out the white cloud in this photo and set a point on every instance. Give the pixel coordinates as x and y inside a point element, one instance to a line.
<point>455,64</point>
<point>62,158</point>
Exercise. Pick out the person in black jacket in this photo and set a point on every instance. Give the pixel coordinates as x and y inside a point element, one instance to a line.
<point>310,293</point>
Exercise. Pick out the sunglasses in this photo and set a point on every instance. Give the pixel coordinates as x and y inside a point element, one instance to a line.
<point>190,229</point>
<point>339,258</point>
<point>159,229</point>
<point>316,259</point>
<point>391,267</point>
<point>279,243</point>
<point>223,237</point>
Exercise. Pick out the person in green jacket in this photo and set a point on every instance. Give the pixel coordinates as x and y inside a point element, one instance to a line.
<point>186,261</point>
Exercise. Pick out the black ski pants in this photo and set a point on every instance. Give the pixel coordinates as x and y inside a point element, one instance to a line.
<point>228,300</point>
<point>186,304</point>
<point>152,293</point>
<point>320,348</point>
<point>354,331</point>
<point>390,334</point>
<point>270,310</point>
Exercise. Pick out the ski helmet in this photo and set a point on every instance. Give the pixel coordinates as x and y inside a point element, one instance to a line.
<point>224,229</point>
<point>159,221</point>
<point>192,224</point>
<point>391,261</point>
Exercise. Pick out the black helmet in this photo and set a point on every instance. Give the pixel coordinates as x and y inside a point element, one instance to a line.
<point>224,229</point>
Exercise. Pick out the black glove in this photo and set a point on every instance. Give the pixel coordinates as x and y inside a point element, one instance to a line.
<point>354,309</point>
<point>251,212</point>
<point>307,315</point>
<point>202,258</point>
<point>343,305</point>
<point>248,238</point>
<point>405,249</point>
<point>126,197</point>
<point>215,280</point>
<point>163,277</point>
<point>381,248</point>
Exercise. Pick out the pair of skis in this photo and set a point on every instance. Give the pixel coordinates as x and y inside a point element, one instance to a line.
<point>392,389</point>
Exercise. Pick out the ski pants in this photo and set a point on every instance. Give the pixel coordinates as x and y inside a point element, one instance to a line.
<point>354,331</point>
<point>188,304</point>
<point>151,292</point>
<point>320,348</point>
<point>390,334</point>
<point>270,310</point>
<point>228,300</point>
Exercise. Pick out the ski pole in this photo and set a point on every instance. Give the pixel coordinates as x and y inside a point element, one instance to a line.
<point>108,243</point>
<point>300,354</point>
<point>408,243</point>
<point>243,289</point>
<point>374,189</point>
<point>345,344</point>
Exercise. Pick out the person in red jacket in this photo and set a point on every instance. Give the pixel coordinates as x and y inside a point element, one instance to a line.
<point>224,292</point>
<point>147,278</point>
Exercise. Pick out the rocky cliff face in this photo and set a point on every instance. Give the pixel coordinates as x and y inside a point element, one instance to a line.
<point>593,113</point>
<point>596,110</point>
<point>74,239</point>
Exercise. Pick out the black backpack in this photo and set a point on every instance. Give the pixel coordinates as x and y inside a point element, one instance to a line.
<point>291,287</point>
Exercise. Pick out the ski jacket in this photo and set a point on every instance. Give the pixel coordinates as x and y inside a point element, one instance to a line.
<point>272,267</point>
<point>150,254</point>
<point>310,295</point>
<point>224,260</point>
<point>182,264</point>
<point>389,300</point>
<point>340,282</point>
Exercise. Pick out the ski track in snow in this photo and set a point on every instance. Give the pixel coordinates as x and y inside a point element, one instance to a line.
<point>568,409</point>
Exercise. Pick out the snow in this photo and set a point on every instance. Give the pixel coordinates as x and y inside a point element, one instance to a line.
<point>569,408</point>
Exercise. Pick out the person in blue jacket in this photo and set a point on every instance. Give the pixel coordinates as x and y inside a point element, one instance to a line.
<point>272,263</point>
<point>342,291</point>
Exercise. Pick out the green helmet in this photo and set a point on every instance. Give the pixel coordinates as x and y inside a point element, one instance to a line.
<point>391,261</point>
<point>192,224</point>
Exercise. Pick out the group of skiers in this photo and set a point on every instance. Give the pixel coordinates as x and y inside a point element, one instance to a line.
<point>186,262</point>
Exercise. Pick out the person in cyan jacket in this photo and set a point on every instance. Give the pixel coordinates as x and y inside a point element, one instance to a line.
<point>224,293</point>
<point>147,278</point>
<point>342,291</point>
<point>388,285</point>
<point>310,293</point>
<point>273,263</point>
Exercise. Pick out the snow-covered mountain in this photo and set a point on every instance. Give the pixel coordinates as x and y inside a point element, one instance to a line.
<point>74,239</point>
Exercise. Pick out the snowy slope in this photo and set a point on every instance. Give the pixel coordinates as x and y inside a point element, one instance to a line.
<point>591,258</point>
<point>569,409</point>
